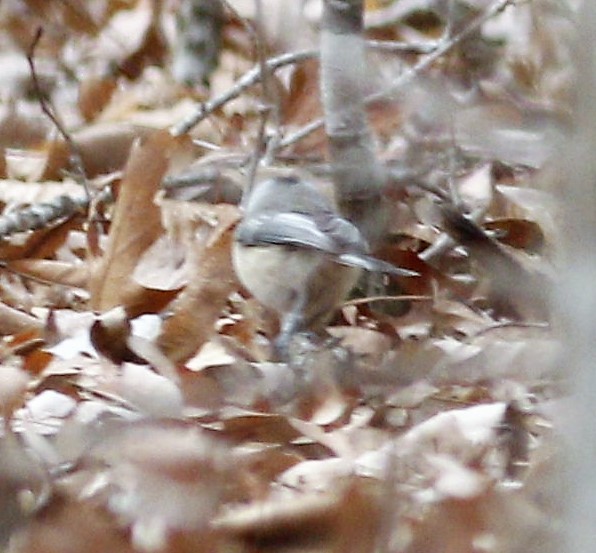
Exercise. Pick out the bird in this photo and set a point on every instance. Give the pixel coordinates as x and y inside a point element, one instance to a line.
<point>298,256</point>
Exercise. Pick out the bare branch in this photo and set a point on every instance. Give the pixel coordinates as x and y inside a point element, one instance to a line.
<point>39,215</point>
<point>408,76</point>
<point>249,79</point>
<point>76,159</point>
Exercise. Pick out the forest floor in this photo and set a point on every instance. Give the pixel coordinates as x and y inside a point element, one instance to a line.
<point>141,409</point>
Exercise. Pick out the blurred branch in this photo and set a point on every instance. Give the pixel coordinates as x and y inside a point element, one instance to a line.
<point>254,76</point>
<point>403,47</point>
<point>408,76</point>
<point>358,177</point>
<point>39,215</point>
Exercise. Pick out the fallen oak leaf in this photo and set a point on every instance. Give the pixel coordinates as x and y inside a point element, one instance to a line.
<point>14,321</point>
<point>105,147</point>
<point>348,519</point>
<point>135,226</point>
<point>51,271</point>
<point>197,308</point>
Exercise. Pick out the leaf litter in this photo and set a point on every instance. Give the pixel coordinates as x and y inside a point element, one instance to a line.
<point>140,410</point>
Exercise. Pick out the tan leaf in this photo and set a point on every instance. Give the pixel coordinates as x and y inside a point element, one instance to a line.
<point>13,321</point>
<point>135,226</point>
<point>38,244</point>
<point>94,95</point>
<point>347,520</point>
<point>198,307</point>
<point>47,270</point>
<point>105,147</point>
<point>66,525</point>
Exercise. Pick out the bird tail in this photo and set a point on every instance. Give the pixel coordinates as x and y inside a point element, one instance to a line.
<point>374,265</point>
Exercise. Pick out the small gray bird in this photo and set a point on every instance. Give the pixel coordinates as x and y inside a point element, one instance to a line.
<point>298,256</point>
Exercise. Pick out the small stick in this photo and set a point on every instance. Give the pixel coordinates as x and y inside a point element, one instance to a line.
<point>247,80</point>
<point>75,154</point>
<point>402,47</point>
<point>372,299</point>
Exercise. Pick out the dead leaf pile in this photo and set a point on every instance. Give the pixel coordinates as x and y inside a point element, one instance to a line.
<point>140,409</point>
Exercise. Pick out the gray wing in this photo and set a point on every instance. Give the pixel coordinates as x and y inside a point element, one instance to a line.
<point>328,234</point>
<point>285,229</point>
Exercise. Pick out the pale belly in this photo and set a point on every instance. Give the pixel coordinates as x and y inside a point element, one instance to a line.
<point>276,276</point>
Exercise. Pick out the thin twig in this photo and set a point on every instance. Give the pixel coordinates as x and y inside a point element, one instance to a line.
<point>409,75</point>
<point>372,299</point>
<point>511,324</point>
<point>254,76</point>
<point>247,80</point>
<point>270,102</point>
<point>76,159</point>
<point>403,47</point>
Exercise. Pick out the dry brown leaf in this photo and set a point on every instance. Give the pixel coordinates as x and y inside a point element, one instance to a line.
<point>39,244</point>
<point>152,51</point>
<point>2,163</point>
<point>136,225</point>
<point>25,164</point>
<point>47,270</point>
<point>200,304</point>
<point>72,14</point>
<point>66,526</point>
<point>302,105</point>
<point>20,477</point>
<point>360,518</point>
<point>57,160</point>
<point>94,95</point>
<point>149,393</point>
<point>258,427</point>
<point>13,321</point>
<point>36,361</point>
<point>450,527</point>
<point>19,129</point>
<point>45,413</point>
<point>163,266</point>
<point>109,335</point>
<point>347,520</point>
<point>518,233</point>
<point>517,289</point>
<point>105,147</point>
<point>268,526</point>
